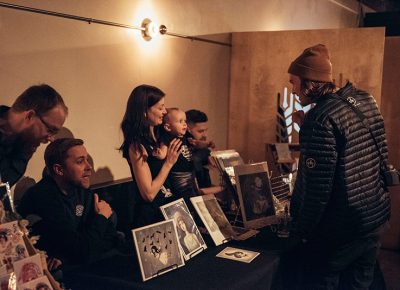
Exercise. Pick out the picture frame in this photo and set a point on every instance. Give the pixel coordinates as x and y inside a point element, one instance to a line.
<point>215,221</point>
<point>28,269</point>
<point>41,283</point>
<point>226,160</point>
<point>157,249</point>
<point>190,240</point>
<point>255,195</point>
<point>12,245</point>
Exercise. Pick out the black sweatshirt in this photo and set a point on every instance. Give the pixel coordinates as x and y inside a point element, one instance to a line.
<point>69,227</point>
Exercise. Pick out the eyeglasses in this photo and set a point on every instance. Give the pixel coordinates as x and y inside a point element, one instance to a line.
<point>50,129</point>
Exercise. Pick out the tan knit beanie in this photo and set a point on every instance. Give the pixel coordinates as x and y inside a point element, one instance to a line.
<point>313,64</point>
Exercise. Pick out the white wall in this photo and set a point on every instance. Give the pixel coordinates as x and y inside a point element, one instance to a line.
<point>95,67</point>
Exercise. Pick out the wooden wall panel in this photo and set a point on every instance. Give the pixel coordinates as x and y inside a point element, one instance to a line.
<point>259,71</point>
<point>390,107</point>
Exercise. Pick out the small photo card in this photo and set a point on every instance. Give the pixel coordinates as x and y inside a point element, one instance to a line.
<point>41,283</point>
<point>236,254</point>
<point>28,269</point>
<point>12,245</point>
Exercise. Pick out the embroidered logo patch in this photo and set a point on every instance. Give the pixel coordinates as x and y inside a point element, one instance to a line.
<point>352,101</point>
<point>310,162</point>
<point>79,210</point>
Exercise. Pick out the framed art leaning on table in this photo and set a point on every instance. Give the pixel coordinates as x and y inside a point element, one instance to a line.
<point>157,249</point>
<point>189,236</point>
<point>255,195</point>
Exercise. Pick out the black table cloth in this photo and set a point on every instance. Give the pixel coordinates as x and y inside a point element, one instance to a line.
<point>204,271</point>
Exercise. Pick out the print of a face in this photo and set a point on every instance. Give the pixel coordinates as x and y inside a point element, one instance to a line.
<point>258,182</point>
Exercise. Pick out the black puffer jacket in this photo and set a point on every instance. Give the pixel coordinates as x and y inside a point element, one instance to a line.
<point>339,193</point>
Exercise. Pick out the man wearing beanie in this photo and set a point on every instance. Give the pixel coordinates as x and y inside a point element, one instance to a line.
<point>340,202</point>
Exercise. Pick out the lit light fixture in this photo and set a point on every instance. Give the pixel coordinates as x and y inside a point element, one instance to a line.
<point>150,29</point>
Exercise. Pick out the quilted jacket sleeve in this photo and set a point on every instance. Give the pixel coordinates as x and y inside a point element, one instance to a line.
<point>315,177</point>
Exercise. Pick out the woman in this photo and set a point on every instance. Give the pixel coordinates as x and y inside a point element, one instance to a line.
<point>189,240</point>
<point>149,167</point>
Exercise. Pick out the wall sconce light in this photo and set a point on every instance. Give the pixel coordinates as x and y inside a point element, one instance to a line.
<point>149,29</point>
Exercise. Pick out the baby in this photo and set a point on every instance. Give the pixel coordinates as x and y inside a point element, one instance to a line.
<point>181,176</point>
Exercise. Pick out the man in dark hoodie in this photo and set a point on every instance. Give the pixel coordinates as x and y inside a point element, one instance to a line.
<point>73,224</point>
<point>340,202</point>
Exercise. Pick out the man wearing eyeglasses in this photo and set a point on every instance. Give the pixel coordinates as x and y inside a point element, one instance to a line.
<point>35,117</point>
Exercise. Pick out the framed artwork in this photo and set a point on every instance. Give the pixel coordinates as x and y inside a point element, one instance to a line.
<point>215,221</point>
<point>28,269</point>
<point>157,249</point>
<point>226,160</point>
<point>255,195</point>
<point>12,245</point>
<point>41,283</point>
<point>190,240</point>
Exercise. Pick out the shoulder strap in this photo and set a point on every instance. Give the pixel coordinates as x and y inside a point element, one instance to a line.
<point>352,104</point>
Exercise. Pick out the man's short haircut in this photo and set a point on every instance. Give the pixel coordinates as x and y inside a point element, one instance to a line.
<point>40,98</point>
<point>195,116</point>
<point>57,151</point>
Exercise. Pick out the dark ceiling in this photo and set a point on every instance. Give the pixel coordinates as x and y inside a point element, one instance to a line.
<point>382,5</point>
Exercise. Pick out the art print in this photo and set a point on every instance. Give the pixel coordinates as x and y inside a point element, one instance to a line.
<point>41,283</point>
<point>215,221</point>
<point>226,160</point>
<point>12,245</point>
<point>236,254</point>
<point>255,195</point>
<point>157,248</point>
<point>28,269</point>
<point>189,236</point>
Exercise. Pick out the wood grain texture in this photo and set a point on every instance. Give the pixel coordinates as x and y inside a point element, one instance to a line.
<point>259,71</point>
<point>390,108</point>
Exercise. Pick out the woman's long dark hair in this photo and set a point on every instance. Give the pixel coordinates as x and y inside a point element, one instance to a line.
<point>134,125</point>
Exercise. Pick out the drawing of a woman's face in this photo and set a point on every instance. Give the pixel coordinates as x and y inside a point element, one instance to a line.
<point>258,182</point>
<point>182,225</point>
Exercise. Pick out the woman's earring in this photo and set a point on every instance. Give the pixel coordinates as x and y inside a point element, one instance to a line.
<point>145,115</point>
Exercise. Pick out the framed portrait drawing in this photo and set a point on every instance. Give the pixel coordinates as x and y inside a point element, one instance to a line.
<point>215,221</point>
<point>255,195</point>
<point>190,240</point>
<point>28,269</point>
<point>12,245</point>
<point>157,249</point>
<point>41,283</point>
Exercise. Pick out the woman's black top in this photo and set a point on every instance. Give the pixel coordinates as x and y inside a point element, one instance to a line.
<point>149,212</point>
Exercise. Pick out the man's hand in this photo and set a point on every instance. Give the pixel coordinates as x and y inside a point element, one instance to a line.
<point>298,117</point>
<point>201,144</point>
<point>102,207</point>
<point>173,152</point>
<point>53,264</point>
